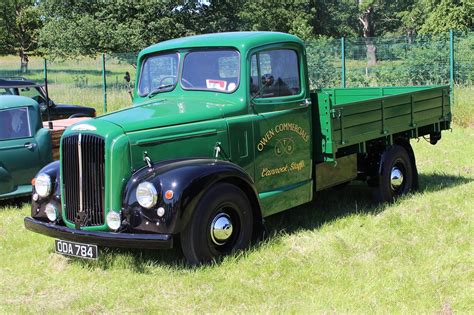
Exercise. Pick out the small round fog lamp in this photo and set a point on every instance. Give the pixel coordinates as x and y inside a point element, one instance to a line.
<point>160,211</point>
<point>51,212</point>
<point>113,220</point>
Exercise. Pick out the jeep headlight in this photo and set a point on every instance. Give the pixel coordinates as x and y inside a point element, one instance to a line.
<point>146,195</point>
<point>43,185</point>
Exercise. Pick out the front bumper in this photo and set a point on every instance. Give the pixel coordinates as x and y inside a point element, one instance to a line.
<point>108,239</point>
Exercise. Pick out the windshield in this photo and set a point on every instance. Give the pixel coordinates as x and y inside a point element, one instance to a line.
<point>159,73</point>
<point>213,70</point>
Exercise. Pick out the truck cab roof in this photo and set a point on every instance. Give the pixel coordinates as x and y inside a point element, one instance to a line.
<point>240,40</point>
<point>12,101</point>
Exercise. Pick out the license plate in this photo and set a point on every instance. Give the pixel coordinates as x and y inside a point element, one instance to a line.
<point>77,249</point>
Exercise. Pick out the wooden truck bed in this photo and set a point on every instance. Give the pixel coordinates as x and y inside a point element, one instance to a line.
<point>350,117</point>
<point>58,128</point>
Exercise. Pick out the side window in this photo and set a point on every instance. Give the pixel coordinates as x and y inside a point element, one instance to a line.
<point>15,123</point>
<point>275,73</point>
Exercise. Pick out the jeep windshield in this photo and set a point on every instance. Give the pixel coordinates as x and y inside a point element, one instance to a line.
<point>206,70</point>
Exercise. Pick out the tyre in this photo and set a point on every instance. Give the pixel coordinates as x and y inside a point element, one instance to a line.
<point>396,176</point>
<point>222,223</point>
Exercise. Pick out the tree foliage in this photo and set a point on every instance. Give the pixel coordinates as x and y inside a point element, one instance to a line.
<point>90,27</point>
<point>19,25</point>
<point>68,28</point>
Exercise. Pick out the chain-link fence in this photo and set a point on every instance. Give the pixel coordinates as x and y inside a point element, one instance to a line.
<point>395,60</point>
<point>105,82</point>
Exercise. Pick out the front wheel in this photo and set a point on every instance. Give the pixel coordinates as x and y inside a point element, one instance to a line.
<point>221,224</point>
<point>396,176</point>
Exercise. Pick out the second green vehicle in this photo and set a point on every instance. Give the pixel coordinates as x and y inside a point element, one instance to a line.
<point>224,132</point>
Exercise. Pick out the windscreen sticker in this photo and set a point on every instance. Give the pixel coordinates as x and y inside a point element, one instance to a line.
<point>216,84</point>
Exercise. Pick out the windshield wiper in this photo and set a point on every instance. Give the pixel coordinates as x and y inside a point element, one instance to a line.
<point>159,89</point>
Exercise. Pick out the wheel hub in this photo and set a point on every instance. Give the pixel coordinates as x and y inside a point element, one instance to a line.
<point>396,178</point>
<point>221,229</point>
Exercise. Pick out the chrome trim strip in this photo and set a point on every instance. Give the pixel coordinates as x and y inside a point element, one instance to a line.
<point>79,153</point>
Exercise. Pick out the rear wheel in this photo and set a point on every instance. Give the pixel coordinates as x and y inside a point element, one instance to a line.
<point>221,224</point>
<point>396,176</point>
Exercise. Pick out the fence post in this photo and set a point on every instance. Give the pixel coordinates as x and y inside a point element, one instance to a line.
<point>451,66</point>
<point>104,83</point>
<point>45,70</point>
<point>343,62</point>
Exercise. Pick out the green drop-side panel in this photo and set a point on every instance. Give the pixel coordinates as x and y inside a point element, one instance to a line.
<point>354,116</point>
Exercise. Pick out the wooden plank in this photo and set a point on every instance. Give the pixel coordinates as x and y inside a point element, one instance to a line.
<point>58,129</point>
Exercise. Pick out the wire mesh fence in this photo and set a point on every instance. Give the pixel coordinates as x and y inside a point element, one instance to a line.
<point>106,81</point>
<point>394,60</point>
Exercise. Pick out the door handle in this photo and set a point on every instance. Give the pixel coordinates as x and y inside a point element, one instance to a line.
<point>30,146</point>
<point>305,103</point>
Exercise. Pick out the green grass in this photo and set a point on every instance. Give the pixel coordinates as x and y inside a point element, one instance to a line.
<point>339,254</point>
<point>463,107</point>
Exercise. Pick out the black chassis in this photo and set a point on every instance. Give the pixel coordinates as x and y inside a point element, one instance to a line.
<point>56,111</point>
<point>189,179</point>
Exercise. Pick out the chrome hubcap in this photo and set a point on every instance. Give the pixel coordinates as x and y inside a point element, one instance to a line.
<point>221,229</point>
<point>396,178</point>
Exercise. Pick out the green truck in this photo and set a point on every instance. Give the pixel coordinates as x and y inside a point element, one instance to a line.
<point>224,132</point>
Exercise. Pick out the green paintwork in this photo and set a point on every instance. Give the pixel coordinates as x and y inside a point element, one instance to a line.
<point>180,123</point>
<point>352,116</point>
<point>18,164</point>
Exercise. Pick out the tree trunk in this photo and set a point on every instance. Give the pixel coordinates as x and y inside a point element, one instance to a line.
<point>366,19</point>
<point>410,35</point>
<point>23,61</point>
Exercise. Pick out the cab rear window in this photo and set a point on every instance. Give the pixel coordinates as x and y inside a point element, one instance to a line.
<point>14,123</point>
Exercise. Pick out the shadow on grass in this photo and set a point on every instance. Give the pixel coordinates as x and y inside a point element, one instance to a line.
<point>327,206</point>
<point>17,202</point>
<point>357,198</point>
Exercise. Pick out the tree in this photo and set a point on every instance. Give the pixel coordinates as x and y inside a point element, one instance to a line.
<point>334,18</point>
<point>378,17</point>
<point>19,25</point>
<point>281,16</point>
<point>83,27</point>
<point>218,16</point>
<point>444,15</point>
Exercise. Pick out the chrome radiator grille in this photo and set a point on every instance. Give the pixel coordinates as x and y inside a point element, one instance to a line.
<point>83,178</point>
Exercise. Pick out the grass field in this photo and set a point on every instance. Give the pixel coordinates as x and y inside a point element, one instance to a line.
<point>340,254</point>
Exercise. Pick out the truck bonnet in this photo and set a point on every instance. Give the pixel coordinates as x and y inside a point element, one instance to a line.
<point>166,112</point>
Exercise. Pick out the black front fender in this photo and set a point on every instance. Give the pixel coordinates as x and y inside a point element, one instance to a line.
<point>38,205</point>
<point>188,180</point>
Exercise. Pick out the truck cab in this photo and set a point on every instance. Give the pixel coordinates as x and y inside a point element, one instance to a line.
<point>224,132</point>
<point>251,90</point>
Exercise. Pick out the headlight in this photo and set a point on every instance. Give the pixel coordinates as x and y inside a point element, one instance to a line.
<point>146,195</point>
<point>51,212</point>
<point>43,185</point>
<point>113,220</point>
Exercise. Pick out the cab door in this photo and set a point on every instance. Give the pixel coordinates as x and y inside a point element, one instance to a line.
<point>282,127</point>
<point>19,156</point>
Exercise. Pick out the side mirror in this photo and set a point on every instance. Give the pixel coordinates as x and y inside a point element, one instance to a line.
<point>126,77</point>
